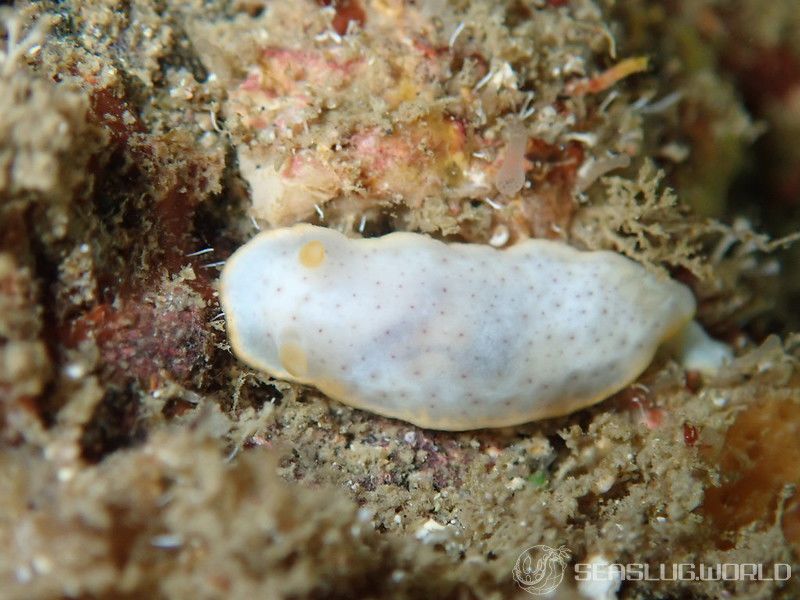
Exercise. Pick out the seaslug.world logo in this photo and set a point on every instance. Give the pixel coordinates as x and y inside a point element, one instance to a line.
<point>540,569</point>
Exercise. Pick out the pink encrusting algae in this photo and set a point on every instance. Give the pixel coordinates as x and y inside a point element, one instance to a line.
<point>428,128</point>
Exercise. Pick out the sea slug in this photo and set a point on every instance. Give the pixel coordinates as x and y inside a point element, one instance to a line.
<point>450,336</point>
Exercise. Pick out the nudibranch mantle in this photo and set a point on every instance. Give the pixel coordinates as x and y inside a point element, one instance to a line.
<point>447,336</point>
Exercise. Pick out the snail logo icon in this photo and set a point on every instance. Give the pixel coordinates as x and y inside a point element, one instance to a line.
<point>540,569</point>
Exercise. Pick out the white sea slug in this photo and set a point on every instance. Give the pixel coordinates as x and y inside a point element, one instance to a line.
<point>448,336</point>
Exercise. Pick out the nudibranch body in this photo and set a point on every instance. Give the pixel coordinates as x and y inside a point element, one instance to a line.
<point>447,336</point>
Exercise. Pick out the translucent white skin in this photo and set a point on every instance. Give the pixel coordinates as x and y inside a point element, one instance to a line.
<point>447,336</point>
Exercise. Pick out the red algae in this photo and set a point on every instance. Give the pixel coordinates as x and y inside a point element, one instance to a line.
<point>146,342</point>
<point>690,434</point>
<point>760,457</point>
<point>347,11</point>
